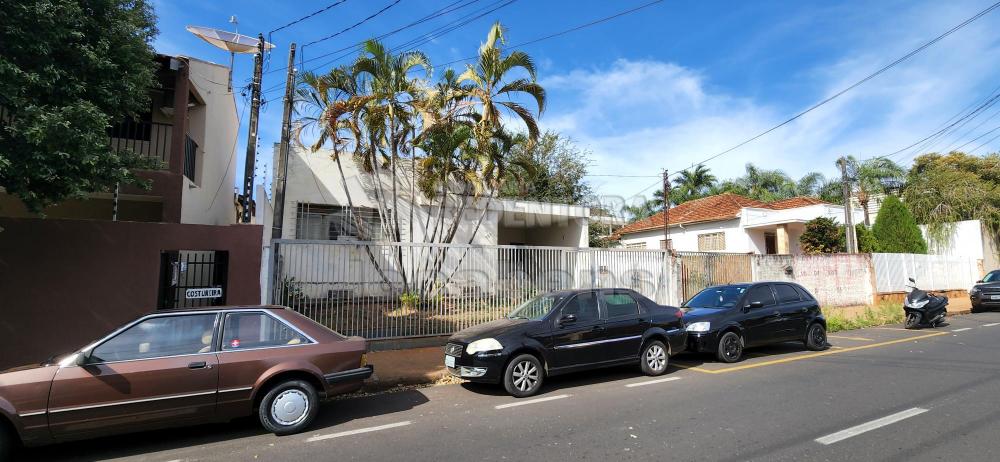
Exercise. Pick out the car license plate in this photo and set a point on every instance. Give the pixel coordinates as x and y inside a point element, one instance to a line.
<point>449,361</point>
<point>994,297</point>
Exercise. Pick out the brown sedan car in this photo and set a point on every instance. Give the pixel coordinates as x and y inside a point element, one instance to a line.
<point>174,368</point>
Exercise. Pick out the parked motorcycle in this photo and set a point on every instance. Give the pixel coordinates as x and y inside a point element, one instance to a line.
<point>924,309</point>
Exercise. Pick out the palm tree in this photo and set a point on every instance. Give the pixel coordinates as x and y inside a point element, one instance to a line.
<point>873,177</point>
<point>692,184</point>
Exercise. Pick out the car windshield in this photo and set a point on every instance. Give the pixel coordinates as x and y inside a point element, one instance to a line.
<point>535,308</point>
<point>993,276</point>
<point>717,297</point>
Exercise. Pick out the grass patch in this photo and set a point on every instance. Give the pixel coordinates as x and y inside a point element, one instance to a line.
<point>838,319</point>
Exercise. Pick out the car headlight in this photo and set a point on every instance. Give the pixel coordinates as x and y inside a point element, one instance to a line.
<point>486,344</point>
<point>974,291</point>
<point>698,326</point>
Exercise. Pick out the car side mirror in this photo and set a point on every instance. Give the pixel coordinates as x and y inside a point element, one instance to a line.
<point>979,281</point>
<point>567,319</point>
<point>754,305</point>
<point>82,358</point>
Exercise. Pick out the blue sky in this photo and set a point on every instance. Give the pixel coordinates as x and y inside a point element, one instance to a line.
<point>679,81</point>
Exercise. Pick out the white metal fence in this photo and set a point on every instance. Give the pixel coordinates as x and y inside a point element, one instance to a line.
<point>932,272</point>
<point>395,290</point>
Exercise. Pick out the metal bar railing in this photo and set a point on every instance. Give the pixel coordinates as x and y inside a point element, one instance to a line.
<point>146,139</point>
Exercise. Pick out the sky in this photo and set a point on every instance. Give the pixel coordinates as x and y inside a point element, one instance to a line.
<point>674,83</point>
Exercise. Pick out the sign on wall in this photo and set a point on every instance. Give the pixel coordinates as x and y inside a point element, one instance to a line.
<point>205,292</point>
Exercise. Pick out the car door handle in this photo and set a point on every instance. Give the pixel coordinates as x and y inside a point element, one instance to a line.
<point>803,310</point>
<point>199,365</point>
<point>599,329</point>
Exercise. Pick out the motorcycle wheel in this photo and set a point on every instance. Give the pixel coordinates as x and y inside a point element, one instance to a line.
<point>912,320</point>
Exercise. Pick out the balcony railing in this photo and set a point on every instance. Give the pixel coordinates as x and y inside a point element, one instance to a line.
<point>190,157</point>
<point>147,139</point>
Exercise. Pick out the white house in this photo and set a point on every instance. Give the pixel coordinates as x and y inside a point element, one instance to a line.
<point>732,223</point>
<point>316,207</point>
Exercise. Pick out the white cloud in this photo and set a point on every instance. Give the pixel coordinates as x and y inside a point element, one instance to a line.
<point>639,116</point>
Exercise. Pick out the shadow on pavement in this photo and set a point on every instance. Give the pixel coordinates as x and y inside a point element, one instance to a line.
<point>331,414</point>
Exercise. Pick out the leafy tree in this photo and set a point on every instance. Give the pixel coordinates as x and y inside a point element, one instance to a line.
<point>896,230</point>
<point>944,189</point>
<point>551,170</point>
<point>822,235</point>
<point>866,239</point>
<point>69,69</point>
<point>873,177</point>
<point>770,185</point>
<point>691,184</point>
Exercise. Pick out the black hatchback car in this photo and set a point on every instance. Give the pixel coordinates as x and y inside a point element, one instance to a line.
<point>560,332</point>
<point>726,319</point>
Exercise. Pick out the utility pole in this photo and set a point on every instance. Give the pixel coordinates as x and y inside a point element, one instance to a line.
<point>852,246</point>
<point>666,210</point>
<point>286,138</point>
<point>248,168</point>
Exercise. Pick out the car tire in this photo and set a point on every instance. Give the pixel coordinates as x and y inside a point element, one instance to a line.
<point>524,376</point>
<point>654,359</point>
<point>730,349</point>
<point>975,308</point>
<point>816,337</point>
<point>288,407</point>
<point>8,443</point>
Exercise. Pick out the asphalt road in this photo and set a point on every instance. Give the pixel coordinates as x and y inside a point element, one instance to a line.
<point>879,394</point>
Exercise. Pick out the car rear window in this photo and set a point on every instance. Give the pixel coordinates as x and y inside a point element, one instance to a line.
<point>804,293</point>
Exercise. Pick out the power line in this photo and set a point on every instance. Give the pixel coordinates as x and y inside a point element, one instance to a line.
<point>934,137</point>
<point>939,132</point>
<point>308,16</point>
<point>441,12</point>
<point>852,86</point>
<point>352,26</point>
<point>567,31</point>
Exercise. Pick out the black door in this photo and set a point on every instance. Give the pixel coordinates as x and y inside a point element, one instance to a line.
<point>794,311</point>
<point>578,331</point>
<point>193,278</point>
<point>762,322</point>
<point>624,323</point>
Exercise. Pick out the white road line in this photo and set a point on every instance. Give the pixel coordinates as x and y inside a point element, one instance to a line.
<point>531,401</point>
<point>992,324</point>
<point>867,427</point>
<point>962,329</point>
<point>358,431</point>
<point>650,382</point>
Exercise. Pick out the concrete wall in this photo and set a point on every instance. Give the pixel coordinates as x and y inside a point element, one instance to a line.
<point>65,283</point>
<point>834,279</point>
<point>208,198</point>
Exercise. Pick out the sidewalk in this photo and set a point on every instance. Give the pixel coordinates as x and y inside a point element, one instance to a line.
<point>413,366</point>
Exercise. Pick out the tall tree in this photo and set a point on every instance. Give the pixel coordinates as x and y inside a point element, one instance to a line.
<point>69,69</point>
<point>871,178</point>
<point>895,230</point>
<point>692,184</point>
<point>551,170</point>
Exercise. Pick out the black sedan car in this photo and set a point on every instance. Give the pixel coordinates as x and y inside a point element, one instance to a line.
<point>560,332</point>
<point>726,319</point>
<point>985,294</point>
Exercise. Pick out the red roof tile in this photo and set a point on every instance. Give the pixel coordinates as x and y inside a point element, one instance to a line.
<point>719,207</point>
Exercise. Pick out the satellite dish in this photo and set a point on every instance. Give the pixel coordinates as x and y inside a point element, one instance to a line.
<point>229,41</point>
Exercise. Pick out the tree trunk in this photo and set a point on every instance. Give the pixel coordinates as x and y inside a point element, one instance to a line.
<point>357,219</point>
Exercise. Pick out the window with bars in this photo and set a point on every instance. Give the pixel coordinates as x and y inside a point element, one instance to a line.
<point>666,244</point>
<point>711,241</point>
<point>335,222</point>
<point>635,245</point>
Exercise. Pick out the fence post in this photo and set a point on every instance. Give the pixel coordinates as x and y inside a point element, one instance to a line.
<point>271,264</point>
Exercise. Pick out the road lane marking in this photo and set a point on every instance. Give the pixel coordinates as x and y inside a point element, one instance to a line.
<point>530,401</point>
<point>808,356</point>
<point>851,338</point>
<point>650,382</point>
<point>358,431</point>
<point>992,324</point>
<point>893,328</point>
<point>962,329</point>
<point>869,426</point>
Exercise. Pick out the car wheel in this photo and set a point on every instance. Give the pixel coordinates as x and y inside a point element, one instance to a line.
<point>976,308</point>
<point>912,320</point>
<point>289,407</point>
<point>816,337</point>
<point>654,358</point>
<point>730,347</point>
<point>7,443</point>
<point>523,376</point>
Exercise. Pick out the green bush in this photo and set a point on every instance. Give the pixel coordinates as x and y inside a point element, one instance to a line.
<point>822,235</point>
<point>866,239</point>
<point>896,230</point>
<point>409,300</point>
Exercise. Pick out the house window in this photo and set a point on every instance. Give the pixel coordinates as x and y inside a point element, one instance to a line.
<point>711,241</point>
<point>666,244</point>
<point>635,245</point>
<point>334,222</point>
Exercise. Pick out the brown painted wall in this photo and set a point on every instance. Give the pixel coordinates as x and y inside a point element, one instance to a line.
<point>63,283</point>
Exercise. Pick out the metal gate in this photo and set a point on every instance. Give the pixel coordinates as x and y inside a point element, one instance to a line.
<point>703,269</point>
<point>192,278</point>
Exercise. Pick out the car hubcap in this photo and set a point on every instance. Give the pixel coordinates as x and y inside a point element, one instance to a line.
<point>732,347</point>
<point>290,407</point>
<point>656,358</point>
<point>818,337</point>
<point>525,375</point>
